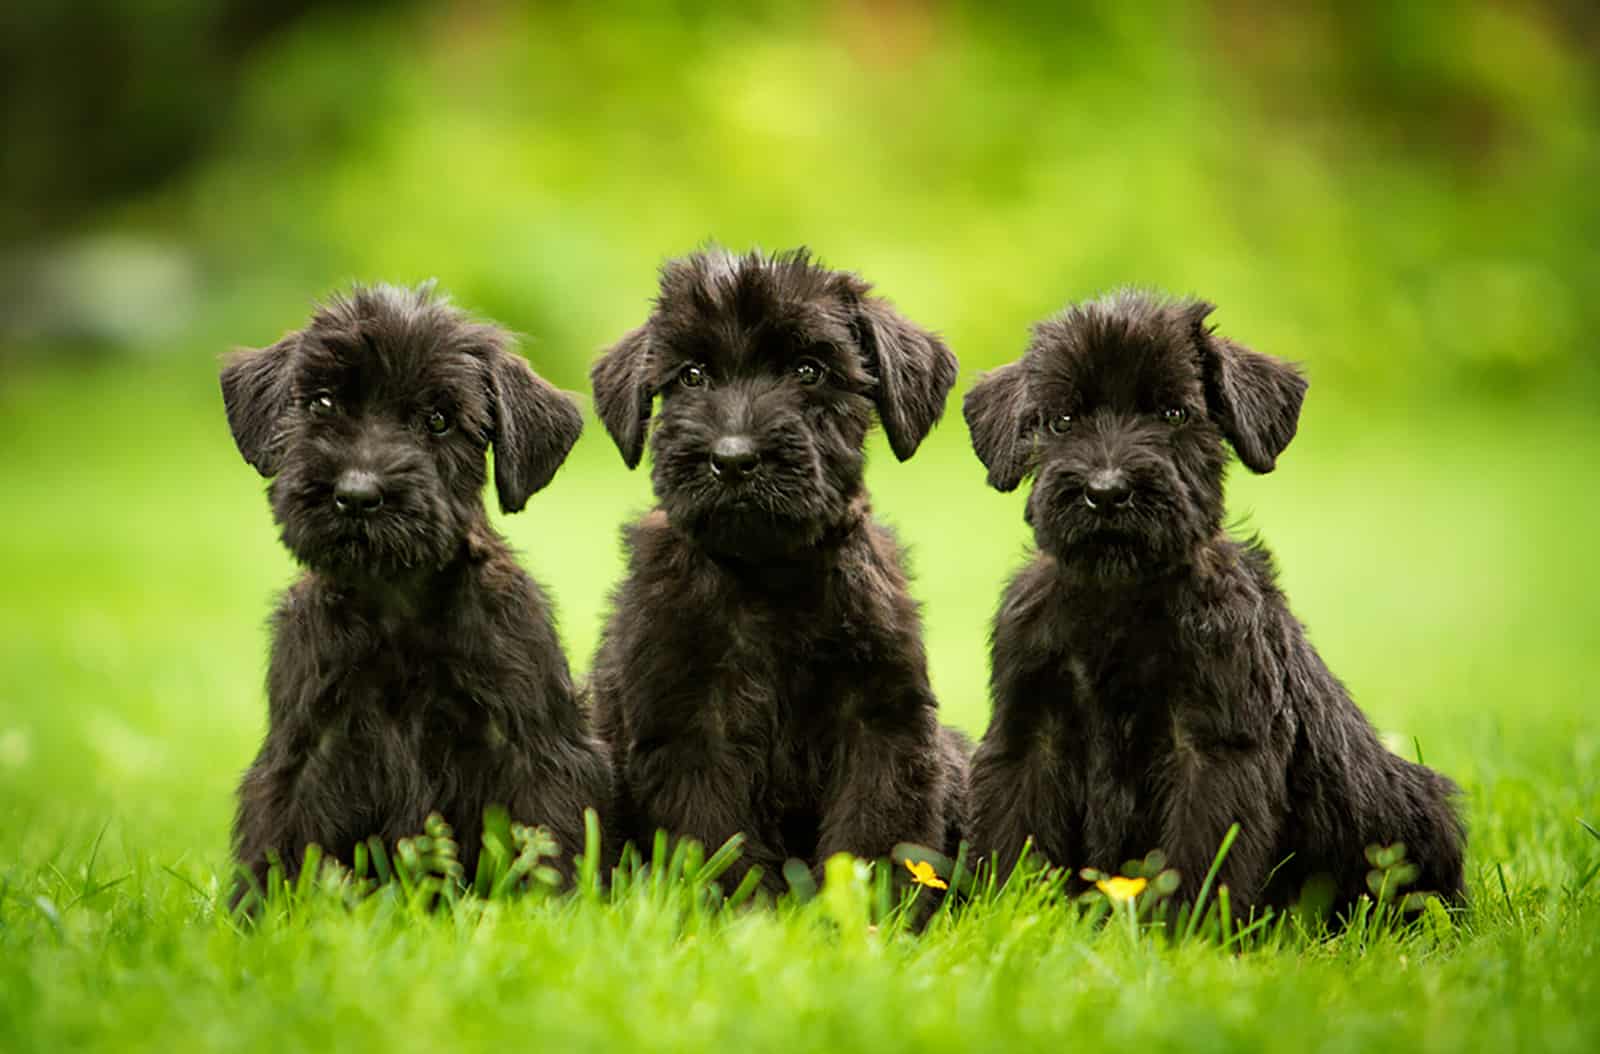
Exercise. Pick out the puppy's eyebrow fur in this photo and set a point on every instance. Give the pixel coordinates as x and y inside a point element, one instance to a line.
<point>753,287</point>
<point>1131,321</point>
<point>735,312</point>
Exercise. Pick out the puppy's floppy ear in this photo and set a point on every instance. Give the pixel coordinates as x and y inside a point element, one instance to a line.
<point>1255,398</point>
<point>915,373</point>
<point>255,392</point>
<point>535,426</point>
<point>623,394</point>
<point>1002,419</point>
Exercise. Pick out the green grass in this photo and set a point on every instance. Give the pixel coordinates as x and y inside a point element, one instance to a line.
<point>1441,559</point>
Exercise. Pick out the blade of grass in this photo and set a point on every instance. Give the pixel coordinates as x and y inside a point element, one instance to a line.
<point>1260,923</point>
<point>94,858</point>
<point>246,895</point>
<point>1211,876</point>
<point>959,877</point>
<point>659,856</point>
<point>491,862</point>
<point>589,865</point>
<point>625,875</point>
<point>275,880</point>
<point>884,903</point>
<point>747,887</point>
<point>380,860</point>
<point>725,857</point>
<point>1019,870</point>
<point>960,872</point>
<point>186,880</point>
<point>95,891</point>
<point>308,872</point>
<point>1279,866</point>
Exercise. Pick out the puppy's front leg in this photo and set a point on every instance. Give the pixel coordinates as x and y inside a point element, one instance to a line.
<point>285,801</point>
<point>701,790</point>
<point>272,820</point>
<point>886,791</point>
<point>1024,782</point>
<point>1210,787</point>
<point>567,778</point>
<point>1017,796</point>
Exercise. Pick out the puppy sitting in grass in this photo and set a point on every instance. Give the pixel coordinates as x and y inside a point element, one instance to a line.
<point>1151,687</point>
<point>415,667</point>
<point>762,671</point>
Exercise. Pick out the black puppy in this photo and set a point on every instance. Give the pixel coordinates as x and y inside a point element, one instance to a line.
<point>414,665</point>
<point>763,669</point>
<point>1151,686</point>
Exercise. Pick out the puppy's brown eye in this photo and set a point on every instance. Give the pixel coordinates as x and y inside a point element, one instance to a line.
<point>692,375</point>
<point>1060,424</point>
<point>322,404</point>
<point>437,422</point>
<point>1175,415</point>
<point>809,371</point>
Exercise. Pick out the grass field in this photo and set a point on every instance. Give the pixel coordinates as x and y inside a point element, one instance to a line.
<point>1443,562</point>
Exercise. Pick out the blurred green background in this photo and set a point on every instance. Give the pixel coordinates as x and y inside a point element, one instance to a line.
<point>1402,197</point>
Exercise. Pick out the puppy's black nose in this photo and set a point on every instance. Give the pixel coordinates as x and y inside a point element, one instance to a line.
<point>734,457</point>
<point>357,493</point>
<point>1107,489</point>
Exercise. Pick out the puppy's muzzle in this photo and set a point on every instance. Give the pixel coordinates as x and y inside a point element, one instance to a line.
<point>358,493</point>
<point>734,458</point>
<point>1107,488</point>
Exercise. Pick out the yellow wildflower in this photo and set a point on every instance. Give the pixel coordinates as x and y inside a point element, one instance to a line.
<point>1120,889</point>
<point>922,874</point>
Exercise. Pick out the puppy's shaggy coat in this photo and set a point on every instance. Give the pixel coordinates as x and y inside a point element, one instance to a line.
<point>415,666</point>
<point>762,671</point>
<point>1150,685</point>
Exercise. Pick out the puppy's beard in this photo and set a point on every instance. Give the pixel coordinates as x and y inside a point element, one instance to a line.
<point>744,530</point>
<point>1147,537</point>
<point>1111,558</point>
<point>388,544</point>
<point>785,509</point>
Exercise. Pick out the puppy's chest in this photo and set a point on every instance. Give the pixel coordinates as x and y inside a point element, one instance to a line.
<point>1123,669</point>
<point>771,688</point>
<point>408,699</point>
<point>1138,650</point>
<point>1129,692</point>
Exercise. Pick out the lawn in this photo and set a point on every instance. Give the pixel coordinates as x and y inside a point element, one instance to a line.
<point>1442,560</point>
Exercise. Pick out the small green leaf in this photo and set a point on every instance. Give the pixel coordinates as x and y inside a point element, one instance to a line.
<point>801,881</point>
